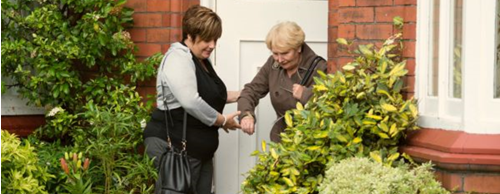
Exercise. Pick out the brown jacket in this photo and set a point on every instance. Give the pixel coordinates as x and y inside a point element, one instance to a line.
<point>273,79</point>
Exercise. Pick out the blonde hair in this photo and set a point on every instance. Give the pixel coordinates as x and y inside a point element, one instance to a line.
<point>285,35</point>
<point>202,22</point>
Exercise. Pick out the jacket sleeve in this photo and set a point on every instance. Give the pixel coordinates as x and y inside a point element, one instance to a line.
<point>307,93</point>
<point>255,90</point>
<point>180,76</point>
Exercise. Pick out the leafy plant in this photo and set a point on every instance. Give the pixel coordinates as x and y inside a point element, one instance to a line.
<point>49,154</point>
<point>365,176</point>
<point>75,168</point>
<point>358,112</point>
<point>21,172</point>
<point>76,58</point>
<point>111,134</point>
<point>61,53</point>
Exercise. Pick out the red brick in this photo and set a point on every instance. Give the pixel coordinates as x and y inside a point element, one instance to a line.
<point>158,5</point>
<point>405,2</point>
<point>409,31</point>
<point>373,2</point>
<point>176,6</point>
<point>175,35</point>
<point>451,181</point>
<point>137,34</point>
<point>346,3</point>
<point>409,49</point>
<point>147,50</point>
<point>386,14</point>
<point>332,35</point>
<point>194,2</point>
<point>333,18</point>
<point>331,68</point>
<point>363,14</point>
<point>409,84</point>
<point>347,31</point>
<point>176,20</point>
<point>374,31</point>
<point>344,60</point>
<point>144,91</point>
<point>482,183</point>
<point>333,5</point>
<point>148,82</point>
<point>160,35</point>
<point>407,96</point>
<point>332,50</point>
<point>22,125</point>
<point>147,20</point>
<point>164,48</point>
<point>166,20</point>
<point>410,65</point>
<point>137,5</point>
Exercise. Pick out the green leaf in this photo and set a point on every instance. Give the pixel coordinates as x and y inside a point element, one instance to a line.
<point>398,22</point>
<point>288,119</point>
<point>388,107</point>
<point>342,41</point>
<point>348,67</point>
<point>375,156</point>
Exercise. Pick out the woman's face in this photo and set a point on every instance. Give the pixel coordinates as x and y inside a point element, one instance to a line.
<point>202,49</point>
<point>287,58</point>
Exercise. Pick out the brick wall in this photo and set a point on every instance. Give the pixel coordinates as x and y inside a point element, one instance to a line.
<point>157,25</point>
<point>370,21</point>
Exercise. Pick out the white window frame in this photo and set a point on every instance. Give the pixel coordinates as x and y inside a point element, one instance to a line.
<point>477,111</point>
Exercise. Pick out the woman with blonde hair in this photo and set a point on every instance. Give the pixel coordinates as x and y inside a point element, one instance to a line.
<point>280,76</point>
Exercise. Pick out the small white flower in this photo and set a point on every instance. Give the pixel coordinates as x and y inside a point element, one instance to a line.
<point>54,111</point>
<point>143,124</point>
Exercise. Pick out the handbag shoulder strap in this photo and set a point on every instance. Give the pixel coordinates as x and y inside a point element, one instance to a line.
<point>167,112</point>
<point>310,71</point>
<point>184,130</point>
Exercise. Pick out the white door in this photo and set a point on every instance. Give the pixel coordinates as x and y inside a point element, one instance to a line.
<point>240,52</point>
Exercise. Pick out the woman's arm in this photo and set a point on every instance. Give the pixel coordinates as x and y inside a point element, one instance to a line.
<point>232,96</point>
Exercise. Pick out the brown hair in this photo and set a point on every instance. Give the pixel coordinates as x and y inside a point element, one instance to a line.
<point>202,22</point>
<point>285,35</point>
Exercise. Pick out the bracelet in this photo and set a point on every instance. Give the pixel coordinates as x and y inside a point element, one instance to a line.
<point>225,120</point>
<point>245,115</point>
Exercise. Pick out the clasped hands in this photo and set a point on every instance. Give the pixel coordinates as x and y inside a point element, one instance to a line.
<point>230,122</point>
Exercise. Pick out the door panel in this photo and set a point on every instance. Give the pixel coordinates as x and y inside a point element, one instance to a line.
<point>240,52</point>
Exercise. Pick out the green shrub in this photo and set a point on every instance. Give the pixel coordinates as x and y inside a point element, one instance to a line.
<point>77,58</point>
<point>358,112</point>
<point>21,172</point>
<point>60,53</point>
<point>364,176</point>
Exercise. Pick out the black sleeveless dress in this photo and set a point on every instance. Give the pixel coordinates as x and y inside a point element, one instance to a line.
<point>202,140</point>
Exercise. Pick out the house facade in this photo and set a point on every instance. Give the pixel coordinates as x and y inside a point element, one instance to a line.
<point>452,51</point>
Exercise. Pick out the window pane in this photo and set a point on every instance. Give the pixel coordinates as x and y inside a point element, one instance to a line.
<point>457,50</point>
<point>434,64</point>
<point>497,66</point>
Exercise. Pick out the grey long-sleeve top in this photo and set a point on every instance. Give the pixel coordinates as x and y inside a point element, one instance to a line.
<point>177,74</point>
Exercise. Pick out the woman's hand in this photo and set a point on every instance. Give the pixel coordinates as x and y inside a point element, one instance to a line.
<point>297,91</point>
<point>248,124</point>
<point>231,123</point>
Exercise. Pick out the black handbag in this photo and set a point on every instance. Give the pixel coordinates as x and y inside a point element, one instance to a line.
<point>174,173</point>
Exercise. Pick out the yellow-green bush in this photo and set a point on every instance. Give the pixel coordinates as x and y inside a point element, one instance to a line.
<point>364,176</point>
<point>358,112</point>
<point>21,172</point>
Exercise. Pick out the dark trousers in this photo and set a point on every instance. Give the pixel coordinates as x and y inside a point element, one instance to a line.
<point>202,172</point>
